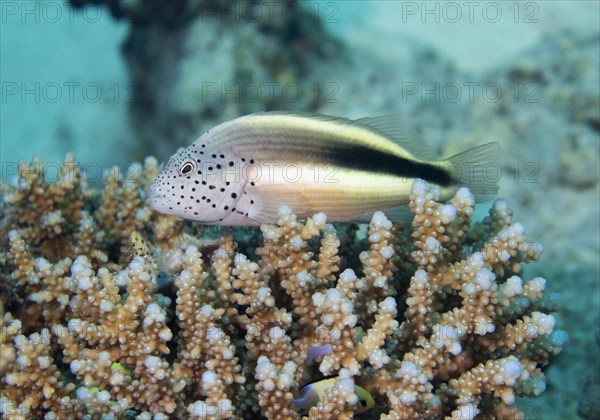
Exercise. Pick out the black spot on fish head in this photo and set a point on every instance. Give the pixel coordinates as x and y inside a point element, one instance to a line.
<point>172,191</point>
<point>198,183</point>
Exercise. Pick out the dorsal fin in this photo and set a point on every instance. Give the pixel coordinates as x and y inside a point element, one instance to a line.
<point>395,128</point>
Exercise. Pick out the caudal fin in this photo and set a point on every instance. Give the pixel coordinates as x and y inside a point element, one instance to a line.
<point>477,169</point>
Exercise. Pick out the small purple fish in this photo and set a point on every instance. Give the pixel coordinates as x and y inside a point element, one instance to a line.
<point>314,351</point>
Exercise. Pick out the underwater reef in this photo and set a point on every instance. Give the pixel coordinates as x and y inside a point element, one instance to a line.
<point>108,308</point>
<point>194,63</point>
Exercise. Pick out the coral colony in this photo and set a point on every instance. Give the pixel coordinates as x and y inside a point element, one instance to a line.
<point>108,308</point>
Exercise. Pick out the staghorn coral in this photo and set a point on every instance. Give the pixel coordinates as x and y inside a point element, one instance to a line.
<point>442,325</point>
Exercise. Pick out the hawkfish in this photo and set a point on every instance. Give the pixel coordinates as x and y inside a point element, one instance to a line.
<point>241,171</point>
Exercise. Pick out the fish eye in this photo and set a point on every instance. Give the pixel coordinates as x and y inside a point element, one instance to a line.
<point>186,168</point>
<point>363,403</point>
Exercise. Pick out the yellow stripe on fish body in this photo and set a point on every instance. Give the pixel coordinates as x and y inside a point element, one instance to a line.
<point>240,171</point>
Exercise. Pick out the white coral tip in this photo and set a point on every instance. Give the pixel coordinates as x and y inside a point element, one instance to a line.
<point>448,213</point>
<point>284,210</point>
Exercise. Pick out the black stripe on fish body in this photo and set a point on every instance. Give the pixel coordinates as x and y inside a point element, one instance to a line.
<point>372,160</point>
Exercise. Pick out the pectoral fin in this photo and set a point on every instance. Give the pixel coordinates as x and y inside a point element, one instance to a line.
<point>270,196</point>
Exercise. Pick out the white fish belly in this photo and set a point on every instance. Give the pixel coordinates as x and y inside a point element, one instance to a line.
<point>342,194</point>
